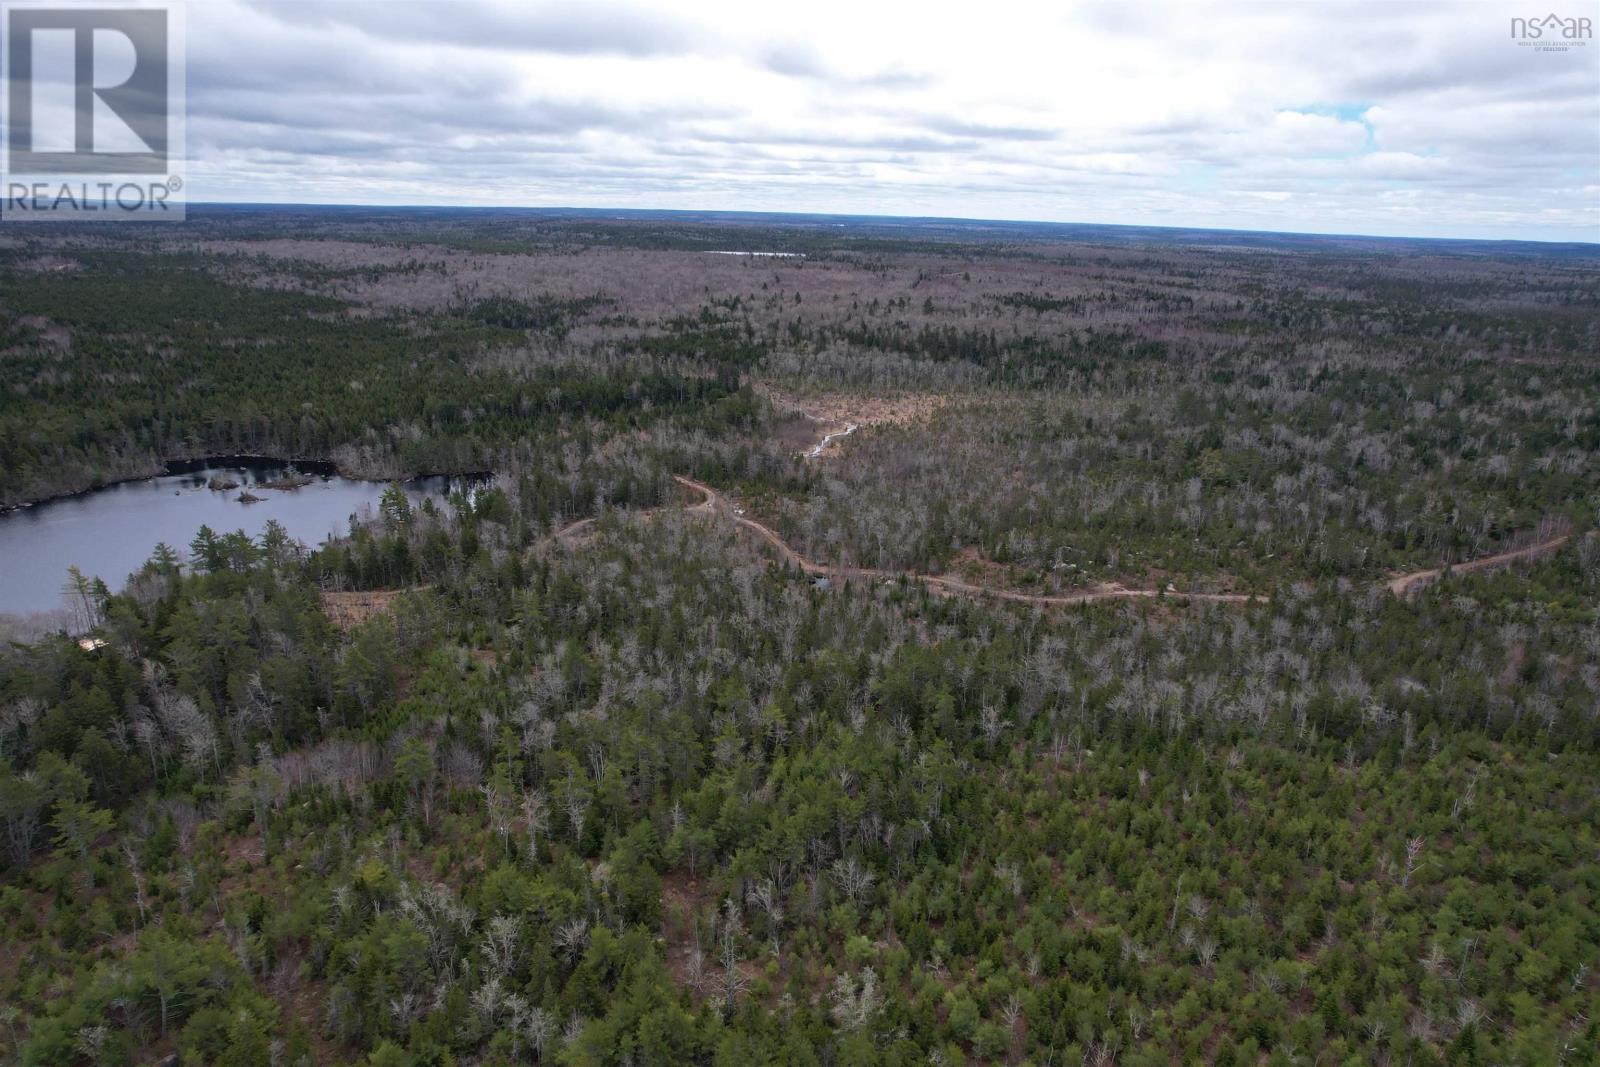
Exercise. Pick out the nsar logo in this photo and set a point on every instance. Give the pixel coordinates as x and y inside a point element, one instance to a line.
<point>1553,33</point>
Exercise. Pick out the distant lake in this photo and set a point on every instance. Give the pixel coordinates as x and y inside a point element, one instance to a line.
<point>111,532</point>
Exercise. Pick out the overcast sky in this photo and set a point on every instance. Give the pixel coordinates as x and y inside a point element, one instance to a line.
<point>1352,117</point>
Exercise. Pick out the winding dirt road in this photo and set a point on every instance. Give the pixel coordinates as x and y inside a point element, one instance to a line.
<point>828,439</point>
<point>1406,584</point>
<point>569,532</point>
<point>716,503</point>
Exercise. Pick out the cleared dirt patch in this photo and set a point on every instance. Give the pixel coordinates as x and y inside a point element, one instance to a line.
<point>349,610</point>
<point>971,565</point>
<point>683,899</point>
<point>798,433</point>
<point>819,415</point>
<point>863,410</point>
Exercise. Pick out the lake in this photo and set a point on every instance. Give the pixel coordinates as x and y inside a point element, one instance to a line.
<point>110,532</point>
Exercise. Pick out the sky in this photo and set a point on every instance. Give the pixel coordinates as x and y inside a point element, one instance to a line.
<point>1390,118</point>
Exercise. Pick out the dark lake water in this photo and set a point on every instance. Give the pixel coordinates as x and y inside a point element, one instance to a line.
<point>110,532</point>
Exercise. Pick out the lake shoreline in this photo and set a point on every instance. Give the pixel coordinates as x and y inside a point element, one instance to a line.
<point>109,532</point>
<point>321,468</point>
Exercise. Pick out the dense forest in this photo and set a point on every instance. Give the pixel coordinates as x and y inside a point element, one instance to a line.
<point>910,736</point>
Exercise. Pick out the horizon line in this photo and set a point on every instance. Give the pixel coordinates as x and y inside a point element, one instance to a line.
<point>574,209</point>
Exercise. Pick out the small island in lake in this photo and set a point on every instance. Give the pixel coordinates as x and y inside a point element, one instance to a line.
<point>292,478</point>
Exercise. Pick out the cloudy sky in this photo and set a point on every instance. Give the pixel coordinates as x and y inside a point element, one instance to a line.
<point>1354,117</point>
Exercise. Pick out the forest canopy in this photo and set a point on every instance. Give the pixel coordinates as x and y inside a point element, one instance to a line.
<point>926,648</point>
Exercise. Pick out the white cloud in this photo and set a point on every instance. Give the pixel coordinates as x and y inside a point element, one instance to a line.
<point>1292,115</point>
